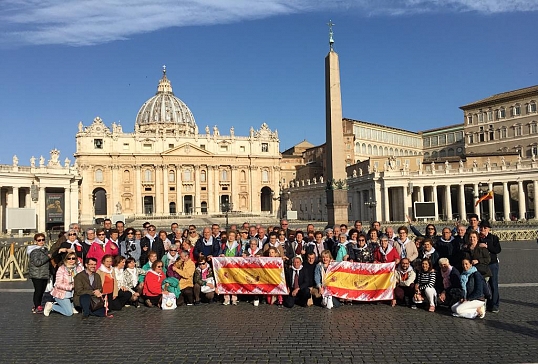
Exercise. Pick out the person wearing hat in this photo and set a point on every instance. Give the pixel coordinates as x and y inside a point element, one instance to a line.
<point>491,242</point>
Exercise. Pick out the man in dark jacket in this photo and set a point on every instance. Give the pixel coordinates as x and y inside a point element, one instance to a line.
<point>87,285</point>
<point>298,285</point>
<point>491,242</point>
<point>206,246</point>
<point>151,242</point>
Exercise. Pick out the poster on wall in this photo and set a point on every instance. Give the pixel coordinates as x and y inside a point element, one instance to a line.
<point>55,207</point>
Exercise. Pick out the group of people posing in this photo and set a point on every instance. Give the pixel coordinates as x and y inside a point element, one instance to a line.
<point>114,266</point>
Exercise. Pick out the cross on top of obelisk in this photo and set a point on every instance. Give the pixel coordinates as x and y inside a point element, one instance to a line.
<point>331,40</point>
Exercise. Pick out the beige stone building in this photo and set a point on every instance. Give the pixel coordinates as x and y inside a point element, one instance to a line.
<point>505,122</point>
<point>46,189</point>
<point>452,166</point>
<point>167,166</point>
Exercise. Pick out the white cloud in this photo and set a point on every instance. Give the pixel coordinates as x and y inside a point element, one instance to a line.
<point>78,22</point>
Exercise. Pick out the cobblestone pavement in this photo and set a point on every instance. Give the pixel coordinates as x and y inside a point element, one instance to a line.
<point>366,333</point>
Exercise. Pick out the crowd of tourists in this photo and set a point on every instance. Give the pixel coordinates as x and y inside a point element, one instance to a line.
<point>103,270</point>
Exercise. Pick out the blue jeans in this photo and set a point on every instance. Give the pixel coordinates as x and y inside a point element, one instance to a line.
<point>494,285</point>
<point>85,300</point>
<point>63,306</point>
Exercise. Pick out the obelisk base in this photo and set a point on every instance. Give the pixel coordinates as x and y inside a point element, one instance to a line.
<point>337,207</point>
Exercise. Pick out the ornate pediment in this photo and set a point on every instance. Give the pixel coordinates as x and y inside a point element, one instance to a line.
<point>187,149</point>
<point>98,128</point>
<point>264,133</point>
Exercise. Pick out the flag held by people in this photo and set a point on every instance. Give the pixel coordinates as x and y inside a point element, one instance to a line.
<point>487,196</point>
<point>360,281</point>
<point>253,275</point>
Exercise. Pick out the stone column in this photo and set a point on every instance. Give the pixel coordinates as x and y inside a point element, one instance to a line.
<point>535,185</point>
<point>216,180</point>
<point>461,201</point>
<point>405,203</point>
<point>166,203</point>
<point>491,203</point>
<point>234,194</point>
<point>386,211</point>
<point>434,198</point>
<point>27,198</point>
<point>196,196</point>
<point>361,205</point>
<point>211,208</point>
<point>421,193</point>
<point>14,201</point>
<point>138,193</point>
<point>476,193</point>
<point>67,207</point>
<point>179,190</point>
<point>41,206</point>
<point>252,172</point>
<point>377,197</point>
<point>158,190</point>
<point>116,189</point>
<point>448,202</point>
<point>521,197</point>
<point>506,201</point>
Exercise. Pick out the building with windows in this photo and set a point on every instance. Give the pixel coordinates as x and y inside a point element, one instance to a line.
<point>505,122</point>
<point>168,167</point>
<point>46,190</point>
<point>494,149</point>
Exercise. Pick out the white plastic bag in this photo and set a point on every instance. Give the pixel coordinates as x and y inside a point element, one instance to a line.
<point>205,288</point>
<point>169,301</point>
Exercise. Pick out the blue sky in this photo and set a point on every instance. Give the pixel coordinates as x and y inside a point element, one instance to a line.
<point>407,63</point>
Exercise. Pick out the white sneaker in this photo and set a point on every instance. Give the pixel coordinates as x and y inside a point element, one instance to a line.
<point>47,309</point>
<point>226,303</point>
<point>74,311</point>
<point>256,303</point>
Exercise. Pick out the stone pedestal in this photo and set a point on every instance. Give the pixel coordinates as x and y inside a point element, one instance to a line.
<point>337,207</point>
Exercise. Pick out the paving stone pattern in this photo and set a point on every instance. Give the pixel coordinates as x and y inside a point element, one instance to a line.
<point>362,333</point>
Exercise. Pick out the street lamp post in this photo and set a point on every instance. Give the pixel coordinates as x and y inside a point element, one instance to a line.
<point>371,204</point>
<point>226,208</point>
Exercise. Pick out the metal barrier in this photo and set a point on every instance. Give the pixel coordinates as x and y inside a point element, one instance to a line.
<point>14,261</point>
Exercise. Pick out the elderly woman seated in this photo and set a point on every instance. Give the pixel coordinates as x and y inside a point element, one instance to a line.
<point>449,286</point>
<point>472,304</point>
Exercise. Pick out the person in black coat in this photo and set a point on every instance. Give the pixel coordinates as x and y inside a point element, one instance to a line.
<point>297,282</point>
<point>207,246</point>
<point>151,242</point>
<point>492,244</point>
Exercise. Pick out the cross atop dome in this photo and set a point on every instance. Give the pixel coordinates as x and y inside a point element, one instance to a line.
<point>164,84</point>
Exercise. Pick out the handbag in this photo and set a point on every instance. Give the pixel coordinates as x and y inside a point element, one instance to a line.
<point>96,303</point>
<point>169,301</point>
<point>205,288</point>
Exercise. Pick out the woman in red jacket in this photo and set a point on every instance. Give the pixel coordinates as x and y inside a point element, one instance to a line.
<point>152,291</point>
<point>385,253</point>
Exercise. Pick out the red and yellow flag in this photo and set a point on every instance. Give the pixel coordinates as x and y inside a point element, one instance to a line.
<point>487,196</point>
<point>254,275</point>
<point>360,281</point>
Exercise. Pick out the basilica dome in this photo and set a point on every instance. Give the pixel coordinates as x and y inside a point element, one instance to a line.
<point>165,109</point>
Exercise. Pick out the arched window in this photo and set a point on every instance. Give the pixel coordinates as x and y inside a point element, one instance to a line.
<point>99,175</point>
<point>357,147</point>
<point>148,175</point>
<point>516,110</point>
<point>126,176</point>
<point>224,175</point>
<point>532,106</point>
<point>502,113</point>
<point>265,175</point>
<point>391,151</point>
<point>369,149</point>
<point>426,155</point>
<point>363,148</point>
<point>375,150</point>
<point>442,154</point>
<point>243,176</point>
<point>450,152</point>
<point>172,207</point>
<point>127,204</point>
<point>203,176</point>
<point>171,176</point>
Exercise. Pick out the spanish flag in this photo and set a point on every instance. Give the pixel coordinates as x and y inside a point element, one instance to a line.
<point>253,275</point>
<point>360,281</point>
<point>487,196</point>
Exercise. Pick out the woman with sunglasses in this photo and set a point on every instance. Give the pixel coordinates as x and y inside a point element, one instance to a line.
<point>72,244</point>
<point>64,287</point>
<point>152,291</point>
<point>101,247</point>
<point>130,246</point>
<point>39,270</point>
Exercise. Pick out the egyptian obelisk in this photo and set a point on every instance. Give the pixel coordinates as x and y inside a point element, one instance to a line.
<point>336,188</point>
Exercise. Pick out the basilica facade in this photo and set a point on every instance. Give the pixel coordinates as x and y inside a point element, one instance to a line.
<point>169,167</point>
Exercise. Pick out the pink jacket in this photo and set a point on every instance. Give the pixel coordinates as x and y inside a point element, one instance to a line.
<point>96,251</point>
<point>64,281</point>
